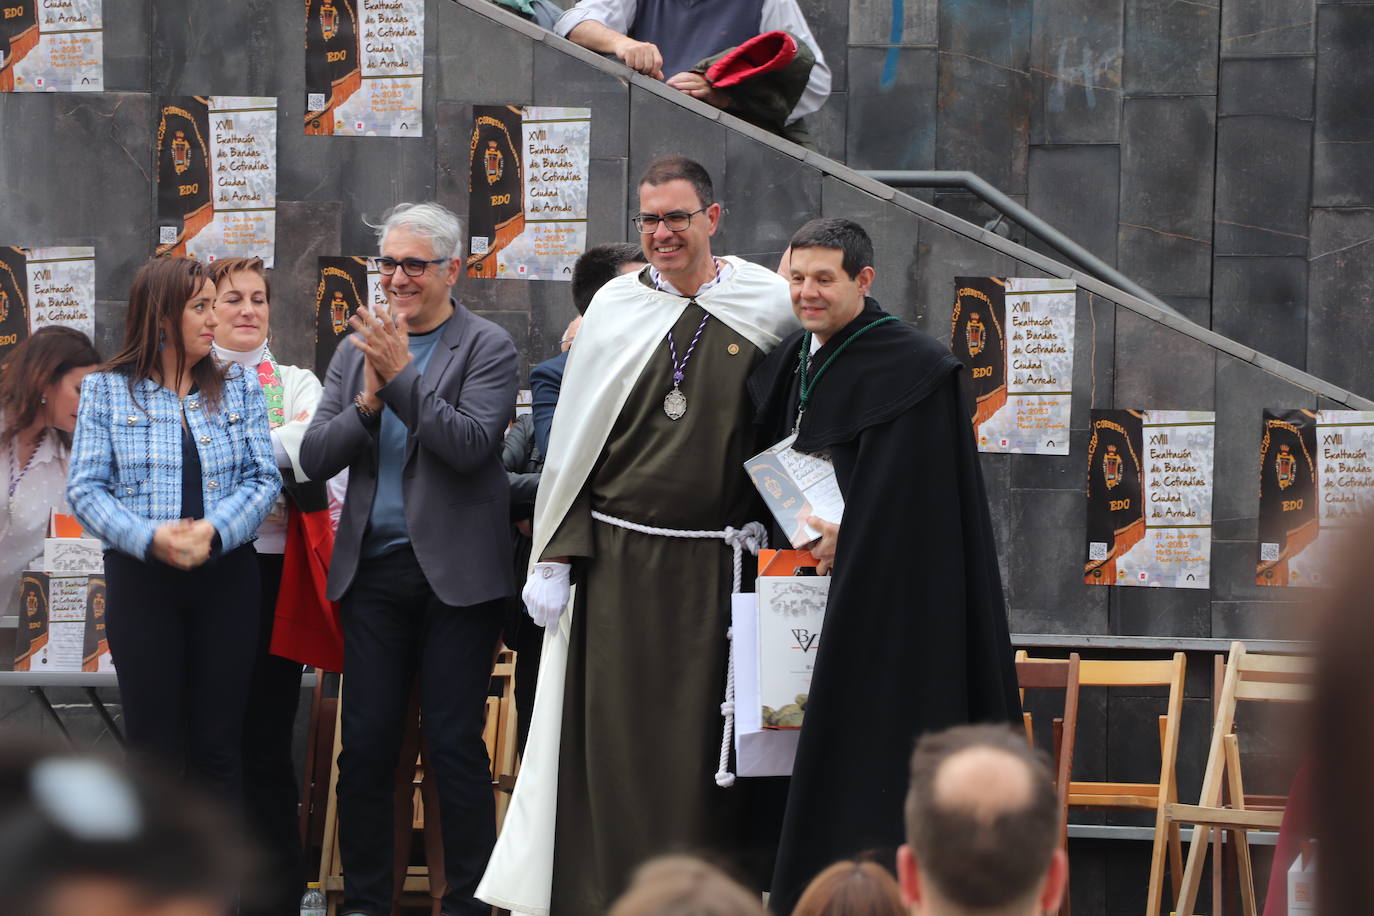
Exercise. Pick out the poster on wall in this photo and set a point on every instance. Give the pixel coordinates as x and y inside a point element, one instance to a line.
<point>217,177</point>
<point>41,286</point>
<point>344,286</point>
<point>1015,335</point>
<point>364,67</point>
<point>528,184</point>
<point>1316,485</point>
<point>1150,498</point>
<point>14,298</point>
<point>62,288</point>
<point>51,46</point>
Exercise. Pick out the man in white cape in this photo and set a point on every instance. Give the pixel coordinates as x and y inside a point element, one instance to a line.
<point>643,505</point>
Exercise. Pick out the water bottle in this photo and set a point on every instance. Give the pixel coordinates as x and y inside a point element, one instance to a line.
<point>312,904</point>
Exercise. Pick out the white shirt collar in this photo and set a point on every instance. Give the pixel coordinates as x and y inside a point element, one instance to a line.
<point>49,448</point>
<point>660,282</point>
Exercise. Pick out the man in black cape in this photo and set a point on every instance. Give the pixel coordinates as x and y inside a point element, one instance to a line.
<point>915,636</point>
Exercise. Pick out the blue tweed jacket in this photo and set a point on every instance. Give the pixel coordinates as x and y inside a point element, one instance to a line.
<point>125,477</point>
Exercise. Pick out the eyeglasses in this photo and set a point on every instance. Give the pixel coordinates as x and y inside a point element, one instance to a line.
<point>677,221</point>
<point>413,267</point>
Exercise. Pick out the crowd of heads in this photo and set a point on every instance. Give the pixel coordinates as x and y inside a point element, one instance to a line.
<point>982,840</point>
<point>80,833</point>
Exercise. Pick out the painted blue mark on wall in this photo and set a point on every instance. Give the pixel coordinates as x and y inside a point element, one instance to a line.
<point>895,36</point>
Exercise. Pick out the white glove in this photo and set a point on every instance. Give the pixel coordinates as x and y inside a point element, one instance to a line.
<point>546,592</point>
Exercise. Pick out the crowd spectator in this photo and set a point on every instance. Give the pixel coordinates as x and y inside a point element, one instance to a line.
<point>523,462</point>
<point>684,886</point>
<point>81,835</point>
<point>540,12</point>
<point>728,53</point>
<point>40,385</point>
<point>271,793</point>
<point>852,888</point>
<point>982,827</point>
<point>594,269</point>
<point>415,406</point>
<point>172,468</point>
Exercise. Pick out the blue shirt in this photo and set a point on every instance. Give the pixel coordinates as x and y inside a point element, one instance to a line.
<point>386,528</point>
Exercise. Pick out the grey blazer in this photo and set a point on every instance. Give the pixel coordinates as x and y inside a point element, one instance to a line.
<point>454,487</point>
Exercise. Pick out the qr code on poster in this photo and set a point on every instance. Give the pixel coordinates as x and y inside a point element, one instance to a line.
<point>480,244</point>
<point>1097,550</point>
<point>314,101</point>
<point>166,235</point>
<point>1269,553</point>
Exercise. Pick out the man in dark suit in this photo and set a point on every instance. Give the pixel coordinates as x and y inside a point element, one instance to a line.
<point>415,409</point>
<point>594,269</point>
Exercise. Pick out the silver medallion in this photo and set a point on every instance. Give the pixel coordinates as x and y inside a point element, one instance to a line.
<point>675,404</point>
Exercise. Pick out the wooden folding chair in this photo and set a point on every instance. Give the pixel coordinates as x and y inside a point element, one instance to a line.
<point>319,743</point>
<point>1054,674</point>
<point>1168,673</point>
<point>502,735</point>
<point>1249,678</point>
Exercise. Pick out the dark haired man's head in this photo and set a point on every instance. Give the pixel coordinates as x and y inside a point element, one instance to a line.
<point>843,235</point>
<point>830,268</point>
<point>679,168</point>
<point>677,217</point>
<point>982,826</point>
<point>600,265</point>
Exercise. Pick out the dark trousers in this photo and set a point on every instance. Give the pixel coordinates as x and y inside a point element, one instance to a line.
<point>182,644</point>
<point>395,631</point>
<point>271,794</point>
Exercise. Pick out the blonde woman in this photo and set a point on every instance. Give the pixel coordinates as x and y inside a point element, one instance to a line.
<point>271,794</point>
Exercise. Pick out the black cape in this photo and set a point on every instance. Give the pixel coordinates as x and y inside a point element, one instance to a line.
<point>915,635</point>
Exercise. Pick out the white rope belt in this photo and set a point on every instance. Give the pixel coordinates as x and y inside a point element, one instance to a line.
<point>752,537</point>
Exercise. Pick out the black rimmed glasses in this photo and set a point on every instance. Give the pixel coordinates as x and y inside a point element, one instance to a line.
<point>677,221</point>
<point>413,267</point>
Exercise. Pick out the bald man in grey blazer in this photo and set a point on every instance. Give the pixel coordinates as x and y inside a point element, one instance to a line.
<point>415,404</point>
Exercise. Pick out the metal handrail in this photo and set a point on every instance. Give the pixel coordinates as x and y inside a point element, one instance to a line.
<point>1033,224</point>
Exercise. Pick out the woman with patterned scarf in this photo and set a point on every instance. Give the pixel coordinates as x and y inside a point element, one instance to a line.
<point>293,547</point>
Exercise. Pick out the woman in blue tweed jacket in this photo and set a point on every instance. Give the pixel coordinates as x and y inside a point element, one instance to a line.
<point>172,467</point>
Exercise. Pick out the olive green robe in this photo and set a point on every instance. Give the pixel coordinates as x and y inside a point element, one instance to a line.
<point>647,658</point>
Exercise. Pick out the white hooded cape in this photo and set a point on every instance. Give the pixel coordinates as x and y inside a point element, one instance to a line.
<point>624,324</point>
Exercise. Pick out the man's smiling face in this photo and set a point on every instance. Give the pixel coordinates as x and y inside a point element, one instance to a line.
<point>421,299</point>
<point>685,255</point>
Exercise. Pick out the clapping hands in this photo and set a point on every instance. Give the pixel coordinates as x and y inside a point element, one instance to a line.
<point>385,343</point>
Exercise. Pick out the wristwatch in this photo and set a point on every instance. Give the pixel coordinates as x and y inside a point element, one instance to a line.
<point>367,413</point>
